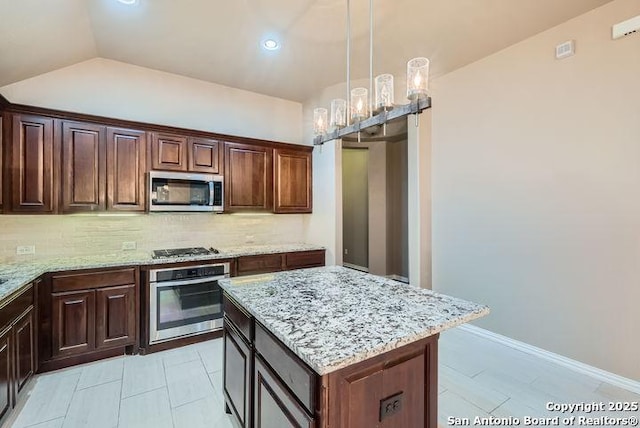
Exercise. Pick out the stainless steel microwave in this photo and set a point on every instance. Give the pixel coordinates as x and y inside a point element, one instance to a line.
<point>183,191</point>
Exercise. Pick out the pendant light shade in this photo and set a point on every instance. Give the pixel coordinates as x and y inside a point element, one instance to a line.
<point>384,92</point>
<point>359,104</point>
<point>417,78</point>
<point>320,121</point>
<point>338,113</point>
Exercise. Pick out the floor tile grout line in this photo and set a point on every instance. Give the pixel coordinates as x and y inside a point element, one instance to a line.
<point>143,392</point>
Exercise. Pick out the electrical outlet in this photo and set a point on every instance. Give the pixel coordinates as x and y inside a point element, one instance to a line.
<point>346,251</point>
<point>129,245</point>
<point>23,250</point>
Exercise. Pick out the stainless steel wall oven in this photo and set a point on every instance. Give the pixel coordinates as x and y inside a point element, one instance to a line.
<point>185,301</point>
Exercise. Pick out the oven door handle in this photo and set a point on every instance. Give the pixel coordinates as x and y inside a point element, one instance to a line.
<point>187,282</point>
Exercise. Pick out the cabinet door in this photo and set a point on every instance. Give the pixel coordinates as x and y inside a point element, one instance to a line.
<point>32,177</point>
<point>126,166</point>
<point>263,263</point>
<point>292,187</point>
<point>238,372</point>
<point>169,152</point>
<point>73,322</point>
<point>5,371</point>
<point>115,316</point>
<point>274,406</point>
<point>248,177</point>
<point>24,346</point>
<point>83,167</point>
<point>204,155</point>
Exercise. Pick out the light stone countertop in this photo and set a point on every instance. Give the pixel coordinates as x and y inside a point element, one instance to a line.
<point>19,274</point>
<point>333,317</point>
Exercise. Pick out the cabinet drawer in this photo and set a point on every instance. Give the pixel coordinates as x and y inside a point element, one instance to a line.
<point>238,317</point>
<point>305,259</point>
<point>15,307</point>
<point>300,379</point>
<point>248,265</point>
<point>274,406</point>
<point>84,281</point>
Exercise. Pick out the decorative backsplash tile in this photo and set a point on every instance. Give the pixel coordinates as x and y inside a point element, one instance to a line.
<point>74,235</point>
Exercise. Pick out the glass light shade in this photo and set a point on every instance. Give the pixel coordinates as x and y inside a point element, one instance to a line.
<point>384,92</point>
<point>417,78</point>
<point>338,113</point>
<point>320,121</point>
<point>359,104</point>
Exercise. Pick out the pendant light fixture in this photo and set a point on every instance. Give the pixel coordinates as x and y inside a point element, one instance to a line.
<point>360,112</point>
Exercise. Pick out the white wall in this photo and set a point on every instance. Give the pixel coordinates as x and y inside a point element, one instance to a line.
<point>115,89</point>
<point>536,190</point>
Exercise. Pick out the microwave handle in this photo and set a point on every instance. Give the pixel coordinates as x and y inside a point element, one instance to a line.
<point>211,192</point>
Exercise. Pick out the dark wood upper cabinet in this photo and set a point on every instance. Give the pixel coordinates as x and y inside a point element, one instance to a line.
<point>168,152</point>
<point>248,175</point>
<point>292,181</point>
<point>32,164</point>
<point>205,155</point>
<point>126,168</point>
<point>83,167</point>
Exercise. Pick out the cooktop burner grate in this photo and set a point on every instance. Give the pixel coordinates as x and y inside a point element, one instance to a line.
<point>183,252</point>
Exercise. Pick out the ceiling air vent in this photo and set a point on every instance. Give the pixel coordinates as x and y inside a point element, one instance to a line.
<point>625,28</point>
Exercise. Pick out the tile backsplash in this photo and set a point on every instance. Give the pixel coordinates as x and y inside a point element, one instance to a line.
<point>75,235</point>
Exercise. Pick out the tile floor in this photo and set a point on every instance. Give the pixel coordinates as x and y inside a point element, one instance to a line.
<point>183,388</point>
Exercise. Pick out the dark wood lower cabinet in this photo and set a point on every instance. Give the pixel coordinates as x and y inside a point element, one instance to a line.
<point>24,341</point>
<point>274,405</point>
<point>87,315</point>
<point>17,347</point>
<point>5,372</point>
<point>238,371</point>
<point>116,316</point>
<point>73,322</point>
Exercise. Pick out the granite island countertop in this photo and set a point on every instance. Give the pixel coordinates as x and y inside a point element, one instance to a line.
<point>333,317</point>
<point>20,274</point>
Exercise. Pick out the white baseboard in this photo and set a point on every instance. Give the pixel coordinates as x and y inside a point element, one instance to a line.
<point>577,366</point>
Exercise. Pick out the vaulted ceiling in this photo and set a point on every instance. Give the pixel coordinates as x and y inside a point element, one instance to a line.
<point>220,41</point>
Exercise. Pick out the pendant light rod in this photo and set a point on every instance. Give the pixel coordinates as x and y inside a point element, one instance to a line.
<point>348,97</point>
<point>370,58</point>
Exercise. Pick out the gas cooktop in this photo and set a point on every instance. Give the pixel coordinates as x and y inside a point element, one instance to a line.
<point>183,252</point>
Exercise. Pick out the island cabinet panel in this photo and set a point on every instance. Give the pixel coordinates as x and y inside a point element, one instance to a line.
<point>5,372</point>
<point>248,177</point>
<point>292,185</point>
<point>115,316</point>
<point>242,321</point>
<point>83,167</point>
<point>205,155</point>
<point>238,374</point>
<point>32,164</point>
<point>398,389</point>
<point>168,152</point>
<point>126,167</point>
<point>274,405</point>
<point>299,378</point>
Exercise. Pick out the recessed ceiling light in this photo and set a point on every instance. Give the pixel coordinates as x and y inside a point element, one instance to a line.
<point>128,2</point>
<point>271,45</point>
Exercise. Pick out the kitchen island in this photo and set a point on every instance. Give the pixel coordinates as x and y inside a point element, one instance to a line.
<point>334,347</point>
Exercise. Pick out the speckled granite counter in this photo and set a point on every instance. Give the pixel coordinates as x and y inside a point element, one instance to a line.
<point>19,274</point>
<point>334,317</point>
